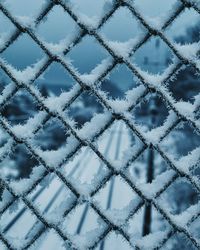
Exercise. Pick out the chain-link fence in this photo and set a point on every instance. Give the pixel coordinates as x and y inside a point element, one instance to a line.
<point>52,162</point>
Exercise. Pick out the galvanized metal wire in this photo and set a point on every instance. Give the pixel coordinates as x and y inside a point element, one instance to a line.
<point>83,86</point>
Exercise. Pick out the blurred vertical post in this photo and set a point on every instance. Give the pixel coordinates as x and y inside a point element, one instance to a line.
<point>153,112</point>
<point>1,190</point>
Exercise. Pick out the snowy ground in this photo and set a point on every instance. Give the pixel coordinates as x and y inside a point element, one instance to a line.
<point>116,199</point>
<point>20,224</point>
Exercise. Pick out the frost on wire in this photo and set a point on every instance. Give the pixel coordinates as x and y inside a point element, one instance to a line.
<point>55,166</point>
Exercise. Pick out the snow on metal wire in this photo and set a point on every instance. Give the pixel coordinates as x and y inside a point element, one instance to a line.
<point>54,107</point>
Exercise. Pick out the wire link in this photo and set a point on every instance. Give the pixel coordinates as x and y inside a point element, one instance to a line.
<point>81,87</point>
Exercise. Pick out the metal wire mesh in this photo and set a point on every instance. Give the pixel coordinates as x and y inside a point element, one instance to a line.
<point>82,85</point>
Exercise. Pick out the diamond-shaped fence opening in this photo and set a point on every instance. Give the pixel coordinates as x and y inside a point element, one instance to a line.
<point>99,124</point>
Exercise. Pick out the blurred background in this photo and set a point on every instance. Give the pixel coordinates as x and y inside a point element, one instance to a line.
<point>153,57</point>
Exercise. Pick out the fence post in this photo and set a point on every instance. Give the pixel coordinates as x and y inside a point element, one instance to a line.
<point>1,190</point>
<point>153,111</point>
